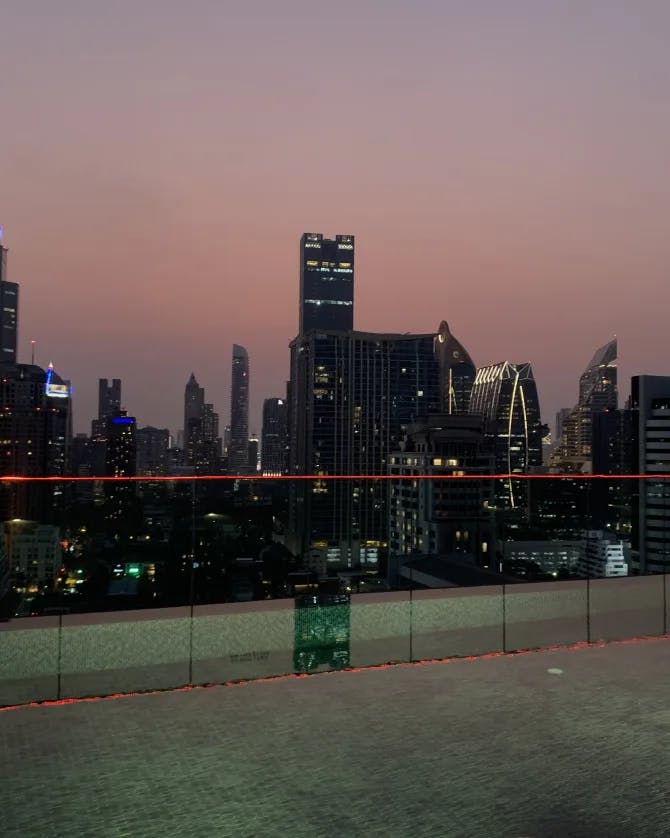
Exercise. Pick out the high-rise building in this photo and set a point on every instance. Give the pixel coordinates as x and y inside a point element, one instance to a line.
<point>238,451</point>
<point>650,404</point>
<point>353,395</point>
<point>597,392</point>
<point>252,458</point>
<point>121,461</point>
<point>505,395</point>
<point>35,433</point>
<point>109,403</point>
<point>448,517</point>
<point>274,437</point>
<point>194,404</point>
<point>9,310</point>
<point>152,451</point>
<point>326,283</point>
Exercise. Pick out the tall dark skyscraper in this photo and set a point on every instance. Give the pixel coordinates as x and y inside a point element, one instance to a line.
<point>194,405</point>
<point>505,395</point>
<point>353,395</point>
<point>35,432</point>
<point>121,461</point>
<point>326,283</point>
<point>152,451</point>
<point>109,403</point>
<point>597,392</point>
<point>202,444</point>
<point>238,451</point>
<point>650,409</point>
<point>273,438</point>
<point>9,310</point>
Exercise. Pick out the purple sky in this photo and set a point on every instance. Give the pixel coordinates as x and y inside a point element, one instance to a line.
<point>503,165</point>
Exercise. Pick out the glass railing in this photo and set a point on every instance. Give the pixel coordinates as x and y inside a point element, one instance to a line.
<point>118,586</point>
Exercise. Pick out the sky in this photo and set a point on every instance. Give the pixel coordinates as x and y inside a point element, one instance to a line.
<point>503,166</point>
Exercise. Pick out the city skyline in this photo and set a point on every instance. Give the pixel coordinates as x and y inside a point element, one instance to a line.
<point>503,166</point>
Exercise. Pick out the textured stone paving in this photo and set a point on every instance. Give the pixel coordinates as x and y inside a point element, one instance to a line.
<point>556,743</point>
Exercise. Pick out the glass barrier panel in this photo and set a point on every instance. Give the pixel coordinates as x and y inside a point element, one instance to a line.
<point>29,652</point>
<point>124,651</point>
<point>456,622</point>
<point>624,608</point>
<point>380,628</point>
<point>239,641</point>
<point>541,614</point>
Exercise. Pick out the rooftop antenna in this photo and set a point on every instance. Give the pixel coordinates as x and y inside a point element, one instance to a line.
<point>32,354</point>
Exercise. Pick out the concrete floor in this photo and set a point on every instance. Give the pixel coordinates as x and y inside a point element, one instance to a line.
<point>554,743</point>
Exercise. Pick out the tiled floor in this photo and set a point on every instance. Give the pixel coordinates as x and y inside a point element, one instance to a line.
<point>555,743</point>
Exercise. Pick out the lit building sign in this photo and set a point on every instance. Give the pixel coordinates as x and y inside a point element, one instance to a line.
<point>56,391</point>
<point>123,420</point>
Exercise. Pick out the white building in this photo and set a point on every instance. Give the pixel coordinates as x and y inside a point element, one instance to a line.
<point>602,556</point>
<point>35,557</point>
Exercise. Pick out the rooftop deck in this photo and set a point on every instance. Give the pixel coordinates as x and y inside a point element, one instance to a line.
<point>565,742</point>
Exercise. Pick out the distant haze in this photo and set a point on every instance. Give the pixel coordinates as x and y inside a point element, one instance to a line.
<point>503,166</point>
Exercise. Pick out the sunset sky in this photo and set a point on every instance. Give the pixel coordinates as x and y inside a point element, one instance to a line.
<point>503,166</point>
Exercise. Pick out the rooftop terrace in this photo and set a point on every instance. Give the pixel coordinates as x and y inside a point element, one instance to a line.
<point>563,742</point>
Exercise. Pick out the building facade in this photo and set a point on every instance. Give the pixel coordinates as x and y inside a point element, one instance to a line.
<point>505,396</point>
<point>326,283</point>
<point>449,516</point>
<point>238,450</point>
<point>650,537</point>
<point>35,434</point>
<point>274,441</point>
<point>597,393</point>
<point>152,446</point>
<point>9,312</point>
<point>353,396</point>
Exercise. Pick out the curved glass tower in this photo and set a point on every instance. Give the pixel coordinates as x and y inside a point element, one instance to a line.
<point>505,395</point>
<point>457,371</point>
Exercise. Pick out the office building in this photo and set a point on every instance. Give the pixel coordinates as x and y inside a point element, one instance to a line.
<point>450,516</point>
<point>505,395</point>
<point>238,450</point>
<point>602,556</point>
<point>353,396</point>
<point>109,403</point>
<point>35,555</point>
<point>121,461</point>
<point>194,405</point>
<point>253,455</point>
<point>9,311</point>
<point>597,392</point>
<point>274,437</point>
<point>152,451</point>
<point>326,283</point>
<point>35,433</point>
<point>650,405</point>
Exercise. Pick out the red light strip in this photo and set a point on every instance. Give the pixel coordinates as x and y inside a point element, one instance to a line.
<point>289,477</point>
<point>573,647</point>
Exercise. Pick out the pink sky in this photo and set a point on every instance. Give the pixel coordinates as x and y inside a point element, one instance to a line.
<point>504,166</point>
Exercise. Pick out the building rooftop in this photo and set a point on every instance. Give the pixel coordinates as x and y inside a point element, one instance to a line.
<point>563,742</point>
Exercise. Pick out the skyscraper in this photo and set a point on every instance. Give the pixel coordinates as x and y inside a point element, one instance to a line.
<point>597,392</point>
<point>194,404</point>
<point>35,431</point>
<point>152,451</point>
<point>505,395</point>
<point>9,308</point>
<point>326,282</point>
<point>238,451</point>
<point>121,461</point>
<point>353,394</point>
<point>650,406</point>
<point>273,437</point>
